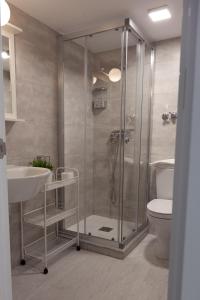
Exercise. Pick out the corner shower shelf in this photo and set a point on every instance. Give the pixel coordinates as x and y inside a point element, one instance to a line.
<point>48,215</point>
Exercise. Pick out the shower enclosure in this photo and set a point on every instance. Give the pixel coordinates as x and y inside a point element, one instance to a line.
<point>104,125</point>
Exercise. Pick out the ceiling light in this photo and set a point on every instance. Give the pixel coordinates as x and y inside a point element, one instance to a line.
<point>5,55</point>
<point>5,12</point>
<point>115,75</point>
<point>159,14</point>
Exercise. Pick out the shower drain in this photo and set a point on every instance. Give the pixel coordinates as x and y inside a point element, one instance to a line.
<point>106,229</point>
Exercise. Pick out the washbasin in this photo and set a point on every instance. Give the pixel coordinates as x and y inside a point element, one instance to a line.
<point>24,183</point>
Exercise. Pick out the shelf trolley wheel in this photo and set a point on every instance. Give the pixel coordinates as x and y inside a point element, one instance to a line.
<point>78,248</point>
<point>46,271</point>
<point>22,262</point>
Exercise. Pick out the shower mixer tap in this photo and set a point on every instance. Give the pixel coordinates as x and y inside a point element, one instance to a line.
<point>173,115</point>
<point>167,116</point>
<point>124,134</point>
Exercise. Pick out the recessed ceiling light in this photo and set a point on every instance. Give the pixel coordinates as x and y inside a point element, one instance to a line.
<point>159,14</point>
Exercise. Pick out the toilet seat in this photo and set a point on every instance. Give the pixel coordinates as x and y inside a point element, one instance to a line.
<point>160,208</point>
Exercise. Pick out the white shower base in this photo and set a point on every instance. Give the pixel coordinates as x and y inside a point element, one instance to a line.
<point>95,222</point>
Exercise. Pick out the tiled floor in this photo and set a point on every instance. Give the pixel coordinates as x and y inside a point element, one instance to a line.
<point>89,276</point>
<point>94,223</point>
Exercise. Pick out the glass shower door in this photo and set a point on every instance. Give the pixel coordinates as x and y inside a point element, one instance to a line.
<point>92,109</point>
<point>74,131</point>
<point>148,54</point>
<point>130,137</point>
<point>106,130</point>
<point>135,131</point>
<point>104,68</point>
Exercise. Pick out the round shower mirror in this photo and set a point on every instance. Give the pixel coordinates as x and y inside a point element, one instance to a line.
<point>115,75</point>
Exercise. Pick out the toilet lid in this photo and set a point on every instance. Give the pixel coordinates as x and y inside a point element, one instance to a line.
<point>160,208</point>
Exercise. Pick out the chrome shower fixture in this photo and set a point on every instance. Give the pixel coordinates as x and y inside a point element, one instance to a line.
<point>114,75</point>
<point>131,117</point>
<point>173,115</point>
<point>167,116</point>
<point>124,134</point>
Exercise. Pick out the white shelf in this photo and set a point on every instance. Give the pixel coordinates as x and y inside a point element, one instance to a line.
<point>53,216</point>
<point>59,184</point>
<point>55,245</point>
<point>10,28</point>
<point>13,119</point>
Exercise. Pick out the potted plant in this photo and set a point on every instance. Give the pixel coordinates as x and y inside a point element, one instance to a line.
<point>43,162</point>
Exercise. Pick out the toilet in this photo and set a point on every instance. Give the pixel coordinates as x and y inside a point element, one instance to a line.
<point>159,211</point>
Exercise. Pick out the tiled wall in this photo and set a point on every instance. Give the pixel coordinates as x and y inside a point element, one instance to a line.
<point>165,98</point>
<point>36,79</point>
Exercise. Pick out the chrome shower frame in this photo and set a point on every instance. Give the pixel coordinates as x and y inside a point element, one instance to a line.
<point>121,247</point>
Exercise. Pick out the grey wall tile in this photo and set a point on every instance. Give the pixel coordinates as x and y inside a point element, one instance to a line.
<point>36,83</point>
<point>165,98</point>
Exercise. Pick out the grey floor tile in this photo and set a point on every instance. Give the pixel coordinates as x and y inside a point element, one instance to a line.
<point>90,276</point>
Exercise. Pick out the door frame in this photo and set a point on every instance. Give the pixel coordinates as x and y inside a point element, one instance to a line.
<point>185,241</point>
<point>5,263</point>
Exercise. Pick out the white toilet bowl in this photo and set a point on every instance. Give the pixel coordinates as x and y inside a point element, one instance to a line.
<point>159,213</point>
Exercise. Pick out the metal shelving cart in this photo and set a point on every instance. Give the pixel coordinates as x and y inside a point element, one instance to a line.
<point>50,214</point>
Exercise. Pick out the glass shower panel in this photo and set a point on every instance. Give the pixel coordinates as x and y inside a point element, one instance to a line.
<point>92,110</point>
<point>75,108</point>
<point>104,50</point>
<point>145,136</point>
<point>131,137</point>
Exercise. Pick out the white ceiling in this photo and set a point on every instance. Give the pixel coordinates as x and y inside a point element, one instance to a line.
<point>68,16</point>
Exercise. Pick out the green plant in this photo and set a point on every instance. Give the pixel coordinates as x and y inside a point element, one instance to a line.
<point>40,163</point>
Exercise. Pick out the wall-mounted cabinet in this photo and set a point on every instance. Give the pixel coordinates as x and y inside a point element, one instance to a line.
<point>9,70</point>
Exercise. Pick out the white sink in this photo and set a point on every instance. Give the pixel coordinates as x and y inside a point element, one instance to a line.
<point>24,183</point>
